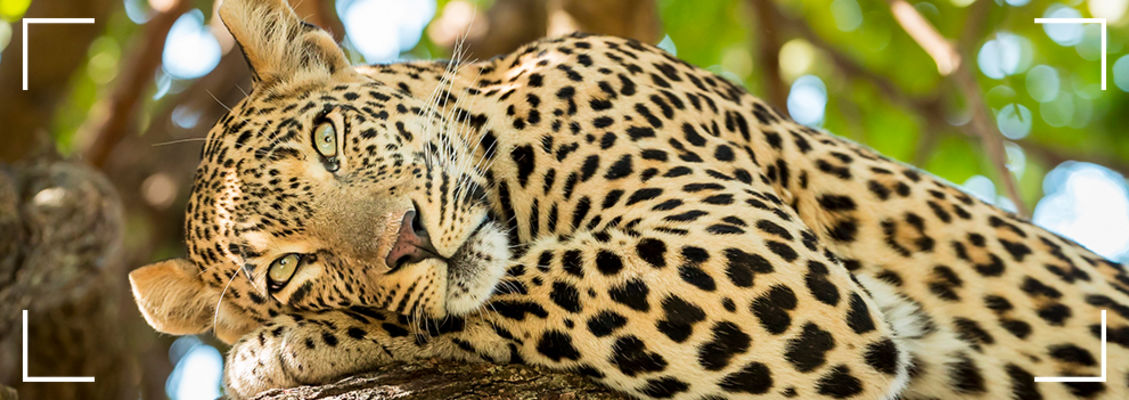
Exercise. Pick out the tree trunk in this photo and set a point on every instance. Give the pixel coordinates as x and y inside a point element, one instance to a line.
<point>62,226</point>
<point>442,380</point>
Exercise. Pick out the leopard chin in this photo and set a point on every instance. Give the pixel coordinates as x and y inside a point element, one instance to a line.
<point>476,269</point>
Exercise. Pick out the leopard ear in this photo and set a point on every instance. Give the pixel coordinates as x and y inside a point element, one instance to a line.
<point>173,298</point>
<point>277,44</point>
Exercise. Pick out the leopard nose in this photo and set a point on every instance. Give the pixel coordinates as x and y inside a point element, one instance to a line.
<point>412,243</point>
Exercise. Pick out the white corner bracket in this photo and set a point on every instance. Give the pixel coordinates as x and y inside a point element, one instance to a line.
<point>29,21</point>
<point>46,378</point>
<point>1082,378</point>
<point>1082,21</point>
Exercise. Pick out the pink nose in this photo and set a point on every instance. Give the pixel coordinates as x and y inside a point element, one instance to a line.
<point>412,244</point>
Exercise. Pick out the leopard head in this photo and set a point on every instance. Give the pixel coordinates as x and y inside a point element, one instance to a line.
<point>325,189</point>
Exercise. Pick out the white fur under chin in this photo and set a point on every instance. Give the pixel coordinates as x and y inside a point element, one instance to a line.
<point>472,278</point>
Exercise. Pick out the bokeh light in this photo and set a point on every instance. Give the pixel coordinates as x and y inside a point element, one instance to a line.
<point>136,10</point>
<point>191,51</point>
<point>796,57</point>
<point>807,100</point>
<point>1083,110</point>
<point>198,370</point>
<point>738,60</point>
<point>5,34</point>
<point>12,10</point>
<point>667,44</point>
<point>382,29</point>
<point>1088,203</point>
<point>927,10</point>
<point>1042,83</point>
<point>1121,73</point>
<point>1006,54</point>
<point>1063,34</point>
<point>981,187</point>
<point>999,96</point>
<point>847,14</point>
<point>984,189</point>
<point>1058,112</point>
<point>163,82</point>
<point>1090,48</point>
<point>1111,10</point>
<point>185,117</point>
<point>1014,121</point>
<point>1016,158</point>
<point>102,66</point>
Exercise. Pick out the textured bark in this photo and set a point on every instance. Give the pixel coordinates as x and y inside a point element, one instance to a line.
<point>62,226</point>
<point>442,380</point>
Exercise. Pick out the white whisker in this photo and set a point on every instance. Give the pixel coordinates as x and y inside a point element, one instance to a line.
<point>218,101</point>
<point>216,312</point>
<point>179,141</point>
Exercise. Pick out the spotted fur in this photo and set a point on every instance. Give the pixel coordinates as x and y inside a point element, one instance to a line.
<point>599,206</point>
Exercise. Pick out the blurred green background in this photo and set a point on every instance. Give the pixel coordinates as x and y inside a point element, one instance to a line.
<point>1003,99</point>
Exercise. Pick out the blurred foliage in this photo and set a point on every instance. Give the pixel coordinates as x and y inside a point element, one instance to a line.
<point>721,35</point>
<point>1074,119</point>
<point>11,10</point>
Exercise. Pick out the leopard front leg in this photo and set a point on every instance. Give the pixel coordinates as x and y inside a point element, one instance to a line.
<point>312,348</point>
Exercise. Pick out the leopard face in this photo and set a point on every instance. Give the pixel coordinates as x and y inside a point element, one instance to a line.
<point>329,187</point>
<point>329,190</point>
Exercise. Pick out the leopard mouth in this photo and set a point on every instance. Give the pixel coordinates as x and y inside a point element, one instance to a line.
<point>476,267</point>
<point>440,285</point>
<point>420,245</point>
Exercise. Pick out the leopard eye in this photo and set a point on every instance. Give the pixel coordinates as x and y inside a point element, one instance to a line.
<point>282,269</point>
<point>325,139</point>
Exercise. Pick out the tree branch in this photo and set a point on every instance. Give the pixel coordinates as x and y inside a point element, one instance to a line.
<point>435,380</point>
<point>932,109</point>
<point>990,137</point>
<point>768,52</point>
<point>922,32</point>
<point>848,65</point>
<point>112,117</point>
<point>948,60</point>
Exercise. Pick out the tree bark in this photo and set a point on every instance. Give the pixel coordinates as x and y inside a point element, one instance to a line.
<point>62,225</point>
<point>442,380</point>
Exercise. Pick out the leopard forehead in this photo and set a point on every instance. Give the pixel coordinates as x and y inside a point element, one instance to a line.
<point>250,178</point>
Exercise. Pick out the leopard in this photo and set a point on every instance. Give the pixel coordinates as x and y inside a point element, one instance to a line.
<point>595,205</point>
